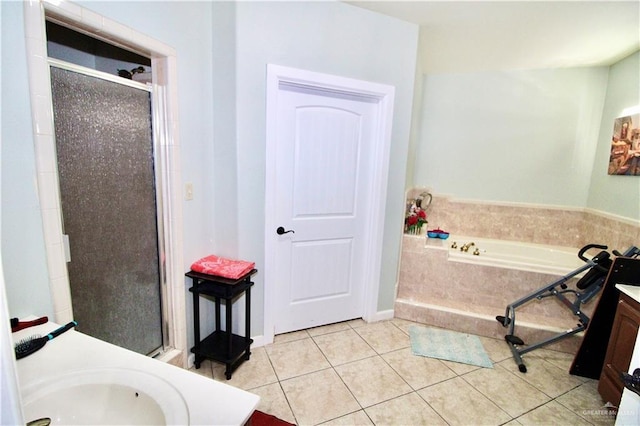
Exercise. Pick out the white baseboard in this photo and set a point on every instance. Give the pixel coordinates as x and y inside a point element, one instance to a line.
<point>382,316</point>
<point>258,341</point>
<point>191,360</point>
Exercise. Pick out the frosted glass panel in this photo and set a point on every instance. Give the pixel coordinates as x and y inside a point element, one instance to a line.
<point>106,169</point>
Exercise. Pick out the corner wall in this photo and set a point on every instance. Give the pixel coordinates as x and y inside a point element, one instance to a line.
<point>333,38</point>
<point>23,246</point>
<point>619,195</point>
<point>513,136</point>
<point>184,26</point>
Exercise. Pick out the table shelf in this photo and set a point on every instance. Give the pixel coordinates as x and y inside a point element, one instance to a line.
<point>214,347</point>
<point>222,345</point>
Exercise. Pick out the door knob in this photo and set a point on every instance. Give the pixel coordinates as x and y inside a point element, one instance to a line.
<point>281,231</point>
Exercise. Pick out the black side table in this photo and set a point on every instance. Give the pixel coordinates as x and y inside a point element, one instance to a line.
<point>222,345</point>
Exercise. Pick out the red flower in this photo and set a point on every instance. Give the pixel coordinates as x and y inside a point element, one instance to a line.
<point>422,214</point>
<point>412,220</point>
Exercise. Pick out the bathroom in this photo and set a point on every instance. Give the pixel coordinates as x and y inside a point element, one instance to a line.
<point>229,197</point>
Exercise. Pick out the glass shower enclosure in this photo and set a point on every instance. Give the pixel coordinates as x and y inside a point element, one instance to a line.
<point>105,153</point>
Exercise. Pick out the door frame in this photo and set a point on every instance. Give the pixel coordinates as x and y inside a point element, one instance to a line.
<point>166,139</point>
<point>383,96</point>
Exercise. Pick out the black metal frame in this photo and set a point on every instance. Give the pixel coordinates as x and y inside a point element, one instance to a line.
<point>581,297</point>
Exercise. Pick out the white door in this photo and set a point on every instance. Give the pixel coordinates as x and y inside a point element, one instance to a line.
<point>324,170</point>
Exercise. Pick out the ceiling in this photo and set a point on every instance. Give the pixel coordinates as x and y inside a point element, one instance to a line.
<point>466,36</point>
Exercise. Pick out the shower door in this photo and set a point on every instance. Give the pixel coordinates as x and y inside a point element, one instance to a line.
<point>106,174</point>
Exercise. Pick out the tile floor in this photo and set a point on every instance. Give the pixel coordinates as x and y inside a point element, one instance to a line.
<point>354,373</point>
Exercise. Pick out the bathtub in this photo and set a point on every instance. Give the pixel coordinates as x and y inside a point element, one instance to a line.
<point>546,259</point>
<point>445,287</point>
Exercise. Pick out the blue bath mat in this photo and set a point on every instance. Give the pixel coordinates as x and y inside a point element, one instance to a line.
<point>448,345</point>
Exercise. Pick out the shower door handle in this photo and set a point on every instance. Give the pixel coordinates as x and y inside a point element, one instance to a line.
<point>67,248</point>
<point>281,231</point>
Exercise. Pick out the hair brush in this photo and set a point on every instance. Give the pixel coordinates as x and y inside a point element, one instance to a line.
<point>34,343</point>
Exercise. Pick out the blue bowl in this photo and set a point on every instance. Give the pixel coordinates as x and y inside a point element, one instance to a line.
<point>433,234</point>
<point>443,235</point>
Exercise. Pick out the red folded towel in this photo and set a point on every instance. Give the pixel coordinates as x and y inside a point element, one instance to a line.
<point>222,267</point>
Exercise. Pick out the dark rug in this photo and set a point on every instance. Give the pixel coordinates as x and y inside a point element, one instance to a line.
<point>258,418</point>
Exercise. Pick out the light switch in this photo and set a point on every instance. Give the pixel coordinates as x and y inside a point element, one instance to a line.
<point>188,191</point>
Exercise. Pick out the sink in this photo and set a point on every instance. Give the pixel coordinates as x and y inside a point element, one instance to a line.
<point>105,396</point>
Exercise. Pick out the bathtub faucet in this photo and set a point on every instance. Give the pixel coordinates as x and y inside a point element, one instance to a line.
<point>467,246</point>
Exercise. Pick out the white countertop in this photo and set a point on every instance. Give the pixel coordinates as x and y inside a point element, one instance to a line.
<point>630,290</point>
<point>629,409</point>
<point>209,402</point>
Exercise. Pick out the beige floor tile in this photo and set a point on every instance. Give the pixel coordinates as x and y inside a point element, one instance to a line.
<point>506,390</point>
<point>383,336</point>
<point>497,349</point>
<point>585,401</point>
<point>290,337</point>
<point>458,403</point>
<point>460,368</point>
<point>273,401</point>
<point>562,360</point>
<point>356,323</point>
<point>257,371</point>
<point>206,369</point>
<point>545,376</point>
<point>408,409</point>
<point>359,418</point>
<point>343,346</point>
<point>331,328</point>
<point>318,397</point>
<point>296,358</point>
<point>404,325</point>
<point>418,371</point>
<point>373,367</point>
<point>551,413</point>
<point>372,381</point>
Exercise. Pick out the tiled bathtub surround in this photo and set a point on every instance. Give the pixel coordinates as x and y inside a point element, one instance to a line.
<point>466,285</point>
<point>467,297</point>
<point>531,223</point>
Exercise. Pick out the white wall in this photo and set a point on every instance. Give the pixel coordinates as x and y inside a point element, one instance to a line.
<point>186,26</point>
<point>516,136</point>
<point>56,50</point>
<point>222,52</point>
<point>224,175</point>
<point>23,250</point>
<point>333,38</point>
<point>619,195</point>
<point>10,404</point>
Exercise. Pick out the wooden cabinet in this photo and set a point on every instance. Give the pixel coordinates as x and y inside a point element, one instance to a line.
<point>620,349</point>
